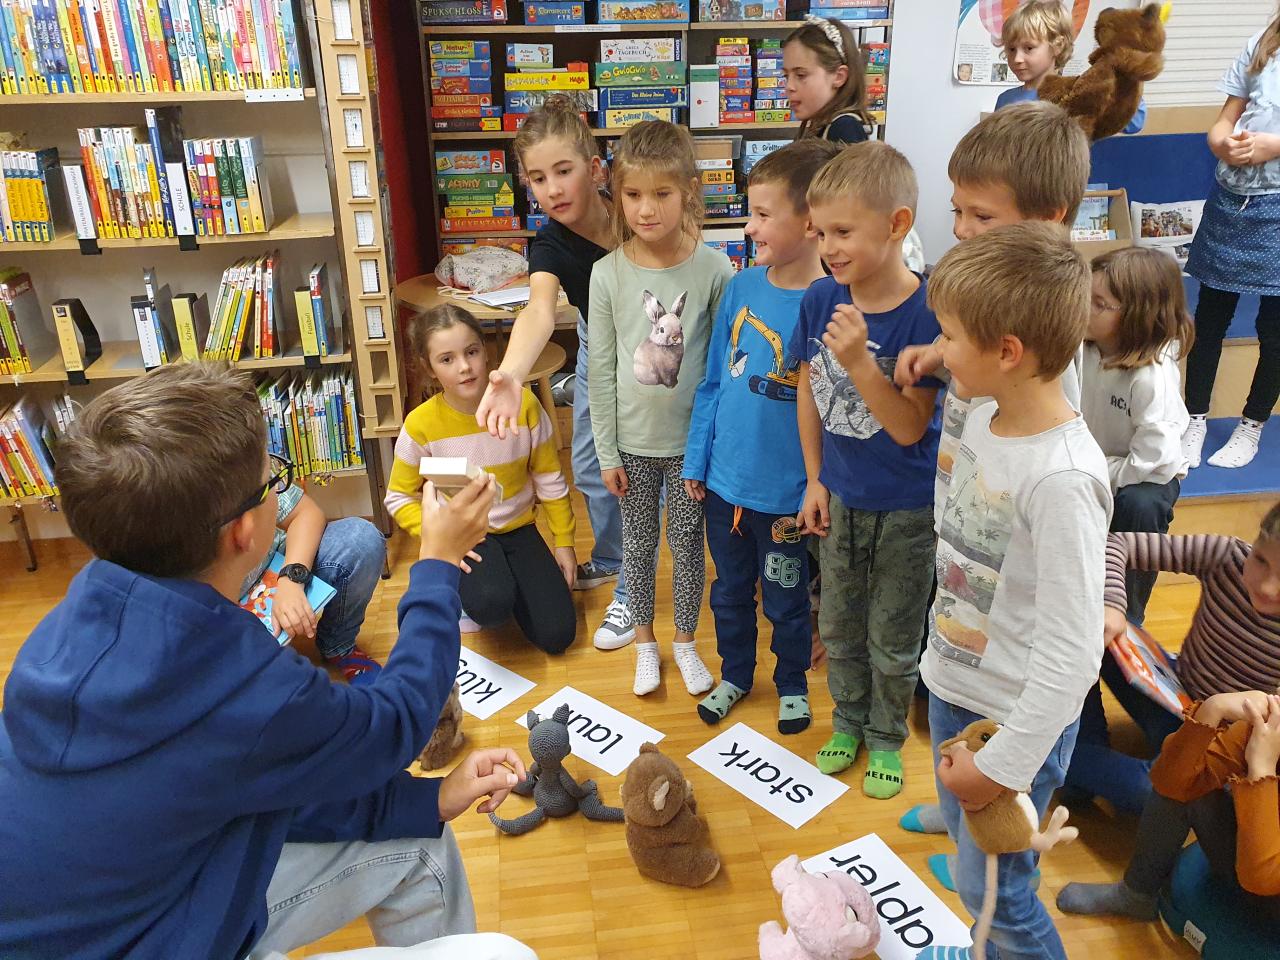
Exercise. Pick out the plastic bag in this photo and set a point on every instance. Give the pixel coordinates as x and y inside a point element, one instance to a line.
<point>483,269</point>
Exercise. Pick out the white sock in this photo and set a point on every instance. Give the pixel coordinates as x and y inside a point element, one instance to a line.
<point>1193,439</point>
<point>1241,448</point>
<point>697,679</point>
<point>648,669</point>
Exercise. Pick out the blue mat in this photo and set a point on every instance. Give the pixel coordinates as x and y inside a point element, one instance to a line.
<point>1261,476</point>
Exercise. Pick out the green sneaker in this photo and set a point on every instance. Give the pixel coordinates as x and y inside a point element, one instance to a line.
<point>837,754</point>
<point>883,778</point>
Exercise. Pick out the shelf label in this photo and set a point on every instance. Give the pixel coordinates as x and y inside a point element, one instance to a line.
<point>590,28</point>
<point>274,95</point>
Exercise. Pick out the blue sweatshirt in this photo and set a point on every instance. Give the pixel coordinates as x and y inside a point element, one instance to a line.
<point>744,442</point>
<point>158,748</point>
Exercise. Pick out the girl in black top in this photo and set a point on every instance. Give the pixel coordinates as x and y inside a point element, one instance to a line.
<point>826,81</point>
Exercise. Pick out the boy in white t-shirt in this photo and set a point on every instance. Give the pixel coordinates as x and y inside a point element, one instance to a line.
<point>1016,629</point>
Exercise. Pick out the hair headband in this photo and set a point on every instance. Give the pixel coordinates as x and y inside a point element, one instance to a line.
<point>830,31</point>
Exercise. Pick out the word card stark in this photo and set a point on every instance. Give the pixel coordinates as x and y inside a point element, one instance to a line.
<point>598,734</point>
<point>793,790</point>
<point>911,915</point>
<point>486,687</point>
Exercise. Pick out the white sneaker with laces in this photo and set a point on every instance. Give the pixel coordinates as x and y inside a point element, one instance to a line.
<point>617,629</point>
<point>1240,450</point>
<point>697,679</point>
<point>1193,440</point>
<point>648,669</point>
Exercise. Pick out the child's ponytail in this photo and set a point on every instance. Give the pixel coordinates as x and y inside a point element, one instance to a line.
<point>1268,46</point>
<point>833,43</point>
<point>1147,283</point>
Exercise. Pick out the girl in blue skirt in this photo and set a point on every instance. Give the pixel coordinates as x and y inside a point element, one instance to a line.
<point>1237,248</point>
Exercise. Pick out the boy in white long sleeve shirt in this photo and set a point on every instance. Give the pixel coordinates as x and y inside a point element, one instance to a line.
<point>1016,627</point>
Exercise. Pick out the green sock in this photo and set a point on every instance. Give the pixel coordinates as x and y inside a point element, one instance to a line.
<point>883,778</point>
<point>793,714</point>
<point>716,705</point>
<point>837,753</point>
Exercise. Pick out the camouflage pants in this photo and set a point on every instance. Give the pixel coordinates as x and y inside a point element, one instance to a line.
<point>877,568</point>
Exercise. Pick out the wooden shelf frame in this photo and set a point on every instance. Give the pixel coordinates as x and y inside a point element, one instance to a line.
<point>592,29</point>
<point>298,226</point>
<point>180,96</point>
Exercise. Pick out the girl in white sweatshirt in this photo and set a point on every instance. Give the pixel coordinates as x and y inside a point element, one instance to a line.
<point>1131,392</point>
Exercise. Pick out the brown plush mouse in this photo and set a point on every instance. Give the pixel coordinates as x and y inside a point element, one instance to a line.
<point>1008,824</point>
<point>666,837</point>
<point>447,737</point>
<point>1130,51</point>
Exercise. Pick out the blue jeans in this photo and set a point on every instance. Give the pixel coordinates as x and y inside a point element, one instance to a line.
<point>1022,928</point>
<point>349,560</point>
<point>742,557</point>
<point>602,506</point>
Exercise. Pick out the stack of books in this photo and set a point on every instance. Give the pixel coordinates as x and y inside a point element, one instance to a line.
<point>26,462</point>
<point>28,205</point>
<point>733,58</point>
<point>228,184</point>
<point>311,420</point>
<point>26,342</point>
<point>148,46</point>
<point>641,79</point>
<point>247,309</point>
<point>462,11</point>
<point>462,67</point>
<point>465,168</point>
<point>877,57</point>
<point>319,318</point>
<point>771,104</point>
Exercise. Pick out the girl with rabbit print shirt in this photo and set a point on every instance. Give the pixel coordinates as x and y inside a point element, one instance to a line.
<point>649,324</point>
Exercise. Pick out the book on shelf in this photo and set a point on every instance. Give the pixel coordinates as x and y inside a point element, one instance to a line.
<point>26,461</point>
<point>191,317</point>
<point>311,419</point>
<point>77,337</point>
<point>32,204</point>
<point>324,310</point>
<point>260,600</point>
<point>26,340</point>
<point>247,309</point>
<point>148,46</point>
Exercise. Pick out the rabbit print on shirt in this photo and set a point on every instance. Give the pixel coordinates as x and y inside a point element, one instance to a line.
<point>658,358</point>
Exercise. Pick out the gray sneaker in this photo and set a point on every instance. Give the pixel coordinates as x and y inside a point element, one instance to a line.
<point>617,629</point>
<point>591,575</point>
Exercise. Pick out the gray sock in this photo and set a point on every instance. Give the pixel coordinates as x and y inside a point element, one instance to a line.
<point>716,705</point>
<point>793,713</point>
<point>1106,898</point>
<point>930,817</point>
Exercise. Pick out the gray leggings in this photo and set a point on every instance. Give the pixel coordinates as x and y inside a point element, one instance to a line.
<point>641,524</point>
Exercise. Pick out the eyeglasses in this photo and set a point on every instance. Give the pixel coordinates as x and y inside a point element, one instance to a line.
<point>281,479</point>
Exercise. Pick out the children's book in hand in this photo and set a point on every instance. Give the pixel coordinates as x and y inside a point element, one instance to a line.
<point>1148,668</point>
<point>261,599</point>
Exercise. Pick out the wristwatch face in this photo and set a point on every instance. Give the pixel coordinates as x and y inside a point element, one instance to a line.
<point>296,572</point>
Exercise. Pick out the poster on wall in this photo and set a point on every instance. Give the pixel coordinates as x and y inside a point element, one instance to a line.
<point>979,58</point>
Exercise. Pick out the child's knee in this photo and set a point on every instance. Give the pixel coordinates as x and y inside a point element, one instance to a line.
<point>490,605</point>
<point>360,544</point>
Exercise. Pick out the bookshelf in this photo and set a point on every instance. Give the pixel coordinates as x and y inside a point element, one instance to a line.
<point>308,132</point>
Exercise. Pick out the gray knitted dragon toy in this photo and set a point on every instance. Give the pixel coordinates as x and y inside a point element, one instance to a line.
<point>555,793</point>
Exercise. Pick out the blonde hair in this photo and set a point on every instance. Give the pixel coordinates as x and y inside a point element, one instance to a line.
<point>557,117</point>
<point>872,173</point>
<point>1033,148</point>
<point>1153,305</point>
<point>661,149</point>
<point>1024,280</point>
<point>794,167</point>
<point>1046,21</point>
<point>850,98</point>
<point>1268,46</point>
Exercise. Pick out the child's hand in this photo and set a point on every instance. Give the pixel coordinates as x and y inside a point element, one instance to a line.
<point>499,409</point>
<point>1238,150</point>
<point>969,785</point>
<point>846,336</point>
<point>1263,750</point>
<point>292,611</point>
<point>916,362</point>
<point>1230,707</point>
<point>815,513</point>
<point>696,489</point>
<point>567,561</point>
<point>450,530</point>
<point>615,481</point>
<point>1114,625</point>
<point>482,773</point>
<point>1266,147</point>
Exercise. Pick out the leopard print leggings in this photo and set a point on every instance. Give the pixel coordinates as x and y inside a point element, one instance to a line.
<point>641,524</point>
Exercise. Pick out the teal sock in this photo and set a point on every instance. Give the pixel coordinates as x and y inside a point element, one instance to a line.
<point>793,713</point>
<point>716,705</point>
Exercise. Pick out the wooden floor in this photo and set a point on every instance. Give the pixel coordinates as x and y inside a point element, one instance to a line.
<point>569,889</point>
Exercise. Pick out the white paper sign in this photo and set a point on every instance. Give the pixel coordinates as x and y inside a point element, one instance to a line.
<point>911,915</point>
<point>486,687</point>
<point>598,733</point>
<point>793,790</point>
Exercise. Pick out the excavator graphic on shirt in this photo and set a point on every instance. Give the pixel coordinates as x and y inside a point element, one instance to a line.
<point>781,382</point>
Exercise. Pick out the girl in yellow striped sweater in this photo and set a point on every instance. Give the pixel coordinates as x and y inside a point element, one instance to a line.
<point>517,576</point>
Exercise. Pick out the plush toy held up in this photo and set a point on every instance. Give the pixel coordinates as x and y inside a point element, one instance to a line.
<point>1130,52</point>
<point>447,738</point>
<point>667,839</point>
<point>555,792</point>
<point>830,916</point>
<point>1009,824</point>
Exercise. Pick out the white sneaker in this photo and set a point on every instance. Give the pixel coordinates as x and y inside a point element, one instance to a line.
<point>467,625</point>
<point>648,669</point>
<point>617,629</point>
<point>1193,440</point>
<point>697,679</point>
<point>1241,448</point>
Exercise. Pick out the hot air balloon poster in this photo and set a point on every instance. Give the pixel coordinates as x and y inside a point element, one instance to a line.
<point>979,57</point>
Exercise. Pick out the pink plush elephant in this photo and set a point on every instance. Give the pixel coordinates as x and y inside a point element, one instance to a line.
<point>831,917</point>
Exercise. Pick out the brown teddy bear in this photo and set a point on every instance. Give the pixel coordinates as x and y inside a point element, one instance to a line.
<point>447,737</point>
<point>1130,51</point>
<point>666,837</point>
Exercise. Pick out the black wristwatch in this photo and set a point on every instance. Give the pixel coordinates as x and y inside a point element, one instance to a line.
<point>297,572</point>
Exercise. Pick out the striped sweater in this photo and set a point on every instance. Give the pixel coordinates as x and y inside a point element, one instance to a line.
<point>527,465</point>
<point>1230,646</point>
